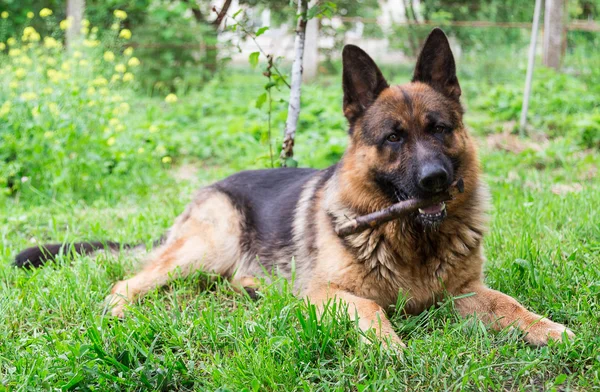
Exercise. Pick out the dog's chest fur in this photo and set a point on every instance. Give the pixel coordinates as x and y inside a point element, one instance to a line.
<point>399,258</point>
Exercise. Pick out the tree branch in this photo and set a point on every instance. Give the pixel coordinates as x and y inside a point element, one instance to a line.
<point>221,15</point>
<point>396,211</point>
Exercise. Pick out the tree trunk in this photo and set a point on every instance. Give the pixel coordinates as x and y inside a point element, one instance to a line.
<point>553,33</point>
<point>287,151</point>
<point>75,11</point>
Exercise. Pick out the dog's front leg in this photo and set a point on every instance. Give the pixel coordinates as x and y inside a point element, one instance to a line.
<point>367,312</point>
<point>501,311</point>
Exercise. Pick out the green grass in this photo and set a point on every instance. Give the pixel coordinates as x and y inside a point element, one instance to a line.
<point>197,334</point>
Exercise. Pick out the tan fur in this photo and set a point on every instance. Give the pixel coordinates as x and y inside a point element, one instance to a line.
<point>367,270</point>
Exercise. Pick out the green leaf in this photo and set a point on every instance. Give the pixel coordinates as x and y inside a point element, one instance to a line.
<point>237,13</point>
<point>313,11</point>
<point>291,162</point>
<point>261,31</point>
<point>253,59</point>
<point>262,98</point>
<point>560,379</point>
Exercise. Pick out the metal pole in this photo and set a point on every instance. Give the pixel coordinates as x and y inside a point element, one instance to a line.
<point>530,64</point>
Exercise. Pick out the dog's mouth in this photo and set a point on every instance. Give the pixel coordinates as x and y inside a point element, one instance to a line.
<point>433,215</point>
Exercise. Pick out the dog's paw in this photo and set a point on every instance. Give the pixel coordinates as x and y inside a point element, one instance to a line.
<point>115,305</point>
<point>545,330</point>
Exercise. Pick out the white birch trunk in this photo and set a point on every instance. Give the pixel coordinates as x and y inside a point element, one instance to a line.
<point>75,9</point>
<point>287,151</point>
<point>554,25</point>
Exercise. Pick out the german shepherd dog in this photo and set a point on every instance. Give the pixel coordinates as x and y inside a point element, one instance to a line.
<point>405,141</point>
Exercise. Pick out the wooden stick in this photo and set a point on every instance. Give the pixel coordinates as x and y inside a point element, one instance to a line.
<point>396,211</point>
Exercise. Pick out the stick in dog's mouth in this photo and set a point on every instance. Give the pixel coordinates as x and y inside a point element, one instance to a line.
<point>426,207</point>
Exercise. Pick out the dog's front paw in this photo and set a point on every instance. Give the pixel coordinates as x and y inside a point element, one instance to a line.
<point>540,333</point>
<point>115,304</point>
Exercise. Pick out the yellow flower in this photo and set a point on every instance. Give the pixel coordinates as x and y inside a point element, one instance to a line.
<point>53,107</point>
<point>2,46</point>
<point>109,56</point>
<point>24,60</point>
<point>167,159</point>
<point>65,24</point>
<point>5,108</point>
<point>171,98</point>
<point>30,15</point>
<point>14,52</point>
<point>128,52</point>
<point>120,68</point>
<point>91,103</point>
<point>104,91</point>
<point>128,77</point>
<point>13,85</point>
<point>85,30</point>
<point>65,67</point>
<point>28,96</point>
<point>4,15</point>
<point>125,34</point>
<point>91,43</point>
<point>85,23</point>
<point>153,129</point>
<point>48,134</point>
<point>141,150</point>
<point>120,14</point>
<point>77,54</point>
<point>29,34</point>
<point>91,90</point>
<point>45,12</point>
<point>83,62</point>
<point>35,111</point>
<point>100,81</point>
<point>133,62</point>
<point>94,29</point>
<point>114,26</point>
<point>51,43</point>
<point>47,91</point>
<point>113,122</point>
<point>120,128</point>
<point>51,61</point>
<point>20,73</point>
<point>11,41</point>
<point>115,77</point>
<point>111,140</point>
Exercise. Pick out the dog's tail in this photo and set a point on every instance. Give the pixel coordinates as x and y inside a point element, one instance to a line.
<point>37,256</point>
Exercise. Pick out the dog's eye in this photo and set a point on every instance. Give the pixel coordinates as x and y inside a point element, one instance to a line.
<point>442,129</point>
<point>393,138</point>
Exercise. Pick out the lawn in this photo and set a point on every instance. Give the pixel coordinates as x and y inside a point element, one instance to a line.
<point>86,180</point>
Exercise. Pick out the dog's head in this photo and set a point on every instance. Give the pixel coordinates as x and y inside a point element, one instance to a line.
<point>406,141</point>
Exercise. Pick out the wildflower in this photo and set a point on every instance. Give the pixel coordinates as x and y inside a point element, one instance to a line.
<point>120,128</point>
<point>141,150</point>
<point>85,23</point>
<point>120,14</point>
<point>104,91</point>
<point>24,179</point>
<point>45,12</point>
<point>133,62</point>
<point>53,107</point>
<point>153,129</point>
<point>91,103</point>
<point>128,52</point>
<point>48,134</point>
<point>11,41</point>
<point>77,54</point>
<point>83,62</point>
<point>13,85</point>
<point>109,56</point>
<point>51,43</point>
<point>85,30</point>
<point>171,98</point>
<point>28,96</point>
<point>91,90</point>
<point>14,52</point>
<point>47,91</point>
<point>114,26</point>
<point>20,73</point>
<point>51,61</point>
<point>115,77</point>
<point>128,77</point>
<point>94,29</point>
<point>113,122</point>
<point>35,111</point>
<point>65,24</point>
<point>24,60</point>
<point>5,108</point>
<point>2,46</point>
<point>111,140</point>
<point>120,68</point>
<point>99,81</point>
<point>30,15</point>
<point>91,43</point>
<point>4,15</point>
<point>167,159</point>
<point>123,108</point>
<point>125,34</point>
<point>65,67</point>
<point>29,34</point>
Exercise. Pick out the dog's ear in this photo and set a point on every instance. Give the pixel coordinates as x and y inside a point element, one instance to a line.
<point>436,66</point>
<point>362,82</point>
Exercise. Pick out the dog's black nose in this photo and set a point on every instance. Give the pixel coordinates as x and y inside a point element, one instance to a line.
<point>433,178</point>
